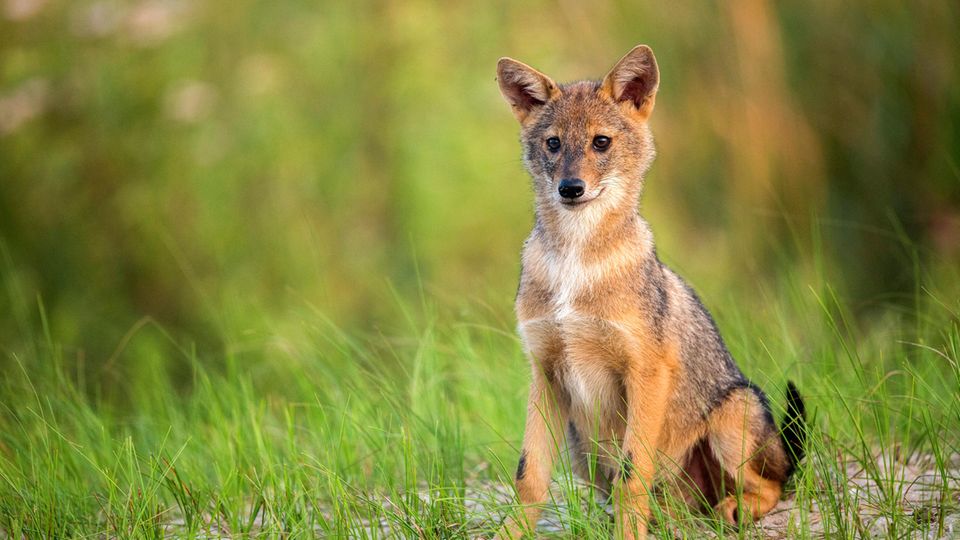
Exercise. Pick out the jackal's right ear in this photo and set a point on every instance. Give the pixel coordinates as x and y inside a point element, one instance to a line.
<point>524,88</point>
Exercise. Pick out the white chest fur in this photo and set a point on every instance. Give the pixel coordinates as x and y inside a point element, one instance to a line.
<point>568,278</point>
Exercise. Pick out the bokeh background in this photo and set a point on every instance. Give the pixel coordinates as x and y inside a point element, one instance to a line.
<point>219,167</point>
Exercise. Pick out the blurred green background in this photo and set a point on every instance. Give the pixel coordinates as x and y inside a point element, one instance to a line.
<point>218,167</point>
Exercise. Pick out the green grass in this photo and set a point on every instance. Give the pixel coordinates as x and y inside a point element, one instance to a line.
<point>309,430</point>
<point>199,202</point>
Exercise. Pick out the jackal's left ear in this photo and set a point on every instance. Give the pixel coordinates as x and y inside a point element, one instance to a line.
<point>524,88</point>
<point>634,81</point>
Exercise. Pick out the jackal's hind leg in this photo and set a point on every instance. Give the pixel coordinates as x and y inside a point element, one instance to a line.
<point>743,441</point>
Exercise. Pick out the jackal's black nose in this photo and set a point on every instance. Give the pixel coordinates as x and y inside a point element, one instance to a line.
<point>571,188</point>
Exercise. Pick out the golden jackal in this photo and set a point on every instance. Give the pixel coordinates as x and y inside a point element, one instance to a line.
<point>626,360</point>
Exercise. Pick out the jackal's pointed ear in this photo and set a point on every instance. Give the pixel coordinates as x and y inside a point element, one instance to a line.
<point>633,82</point>
<point>524,88</point>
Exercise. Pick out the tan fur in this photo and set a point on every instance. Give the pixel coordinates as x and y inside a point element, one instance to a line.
<point>609,331</point>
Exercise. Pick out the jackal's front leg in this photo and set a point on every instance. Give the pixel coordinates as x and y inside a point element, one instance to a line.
<point>541,440</point>
<point>646,395</point>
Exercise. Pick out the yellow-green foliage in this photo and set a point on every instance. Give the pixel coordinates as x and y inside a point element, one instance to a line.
<point>213,163</point>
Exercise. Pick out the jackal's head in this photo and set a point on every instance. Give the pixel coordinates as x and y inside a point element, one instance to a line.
<point>586,144</point>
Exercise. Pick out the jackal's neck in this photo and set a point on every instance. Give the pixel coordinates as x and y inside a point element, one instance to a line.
<point>596,236</point>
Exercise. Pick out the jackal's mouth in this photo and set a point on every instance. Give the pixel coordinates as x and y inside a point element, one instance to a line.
<point>581,201</point>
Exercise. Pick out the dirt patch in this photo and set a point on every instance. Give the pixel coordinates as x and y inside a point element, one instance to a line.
<point>888,497</point>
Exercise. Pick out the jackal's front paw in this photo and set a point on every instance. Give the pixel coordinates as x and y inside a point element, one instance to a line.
<point>728,510</point>
<point>632,531</point>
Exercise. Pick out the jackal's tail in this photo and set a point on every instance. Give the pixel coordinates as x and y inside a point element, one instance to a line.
<point>793,430</point>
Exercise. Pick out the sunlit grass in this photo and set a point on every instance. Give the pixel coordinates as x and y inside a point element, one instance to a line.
<point>413,432</point>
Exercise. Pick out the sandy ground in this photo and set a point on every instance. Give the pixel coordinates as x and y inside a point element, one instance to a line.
<point>913,486</point>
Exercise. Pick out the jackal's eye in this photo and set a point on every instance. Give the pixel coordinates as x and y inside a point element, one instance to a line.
<point>601,143</point>
<point>553,144</point>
